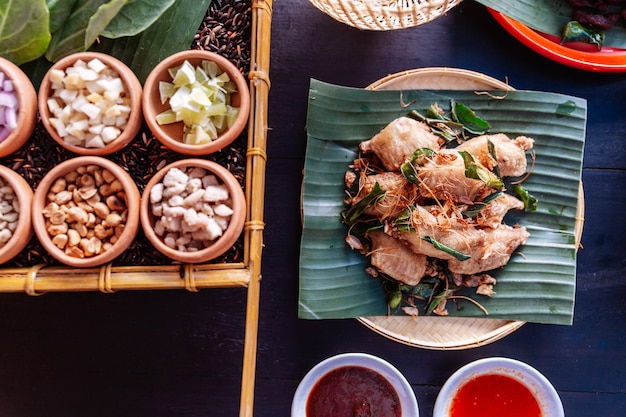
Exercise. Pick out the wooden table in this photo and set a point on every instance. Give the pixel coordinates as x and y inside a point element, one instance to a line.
<point>176,353</point>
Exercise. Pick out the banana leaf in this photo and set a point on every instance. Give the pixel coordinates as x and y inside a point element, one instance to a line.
<point>550,16</point>
<point>537,285</point>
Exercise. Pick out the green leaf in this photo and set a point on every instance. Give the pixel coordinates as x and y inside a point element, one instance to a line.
<point>135,17</point>
<point>549,16</point>
<point>24,34</point>
<point>403,222</point>
<point>468,119</point>
<point>101,20</point>
<point>447,249</point>
<point>438,299</point>
<point>476,171</point>
<point>474,210</point>
<point>409,169</point>
<point>60,11</point>
<point>530,202</point>
<point>355,211</point>
<point>575,32</point>
<point>539,282</point>
<point>163,38</point>
<point>82,27</point>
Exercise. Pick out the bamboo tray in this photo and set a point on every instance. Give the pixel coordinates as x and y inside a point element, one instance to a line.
<point>40,279</point>
<point>452,333</point>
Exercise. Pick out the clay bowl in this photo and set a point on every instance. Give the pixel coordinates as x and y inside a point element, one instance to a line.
<point>170,135</point>
<point>27,108</point>
<point>23,231</point>
<point>117,238</point>
<point>131,97</point>
<point>211,247</point>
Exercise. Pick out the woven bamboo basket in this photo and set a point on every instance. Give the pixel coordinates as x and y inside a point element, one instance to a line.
<point>450,333</point>
<point>384,14</point>
<point>40,279</point>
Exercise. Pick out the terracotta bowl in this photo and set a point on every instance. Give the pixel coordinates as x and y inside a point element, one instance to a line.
<point>107,187</point>
<point>132,89</point>
<point>27,108</point>
<point>170,135</point>
<point>23,231</point>
<point>217,246</point>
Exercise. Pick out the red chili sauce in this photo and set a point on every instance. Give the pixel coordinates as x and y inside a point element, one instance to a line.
<point>353,391</point>
<point>494,395</point>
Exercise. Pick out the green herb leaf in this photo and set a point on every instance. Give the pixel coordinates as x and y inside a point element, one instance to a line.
<point>477,171</point>
<point>135,17</point>
<point>356,210</point>
<point>470,121</point>
<point>394,299</point>
<point>576,32</point>
<point>447,249</point>
<point>403,221</point>
<point>438,299</point>
<point>530,202</point>
<point>23,30</point>
<point>446,128</point>
<point>473,211</point>
<point>409,169</point>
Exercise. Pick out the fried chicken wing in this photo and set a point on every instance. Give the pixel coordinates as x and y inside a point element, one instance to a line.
<point>443,178</point>
<point>491,250</point>
<point>395,144</point>
<point>395,259</point>
<point>488,248</point>
<point>444,217</point>
<point>510,153</point>
<point>399,193</point>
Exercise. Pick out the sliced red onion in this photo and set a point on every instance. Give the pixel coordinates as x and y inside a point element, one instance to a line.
<point>10,117</point>
<point>8,99</point>
<point>4,133</point>
<point>8,107</point>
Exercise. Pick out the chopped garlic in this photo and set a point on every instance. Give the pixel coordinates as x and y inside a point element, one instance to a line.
<point>88,103</point>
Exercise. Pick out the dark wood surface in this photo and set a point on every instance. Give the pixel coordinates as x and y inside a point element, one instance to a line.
<point>175,353</point>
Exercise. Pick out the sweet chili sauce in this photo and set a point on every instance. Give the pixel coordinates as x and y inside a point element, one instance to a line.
<point>494,395</point>
<point>353,391</point>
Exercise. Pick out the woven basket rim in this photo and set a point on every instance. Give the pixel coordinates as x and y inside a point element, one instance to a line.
<point>384,14</point>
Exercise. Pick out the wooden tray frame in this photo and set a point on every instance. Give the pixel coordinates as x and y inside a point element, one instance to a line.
<point>40,279</point>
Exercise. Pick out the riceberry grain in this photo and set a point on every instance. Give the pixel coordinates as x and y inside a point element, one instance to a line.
<point>226,30</point>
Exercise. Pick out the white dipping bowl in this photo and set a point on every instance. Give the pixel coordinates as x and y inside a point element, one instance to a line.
<point>547,397</point>
<point>408,402</point>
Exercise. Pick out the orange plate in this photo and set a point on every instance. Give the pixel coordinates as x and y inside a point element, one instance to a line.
<point>577,55</point>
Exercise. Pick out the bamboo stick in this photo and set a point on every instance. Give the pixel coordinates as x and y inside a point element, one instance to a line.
<point>257,158</point>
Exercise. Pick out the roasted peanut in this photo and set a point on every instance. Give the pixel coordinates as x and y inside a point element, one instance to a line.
<point>59,185</point>
<point>114,203</point>
<point>60,241</point>
<point>86,211</point>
